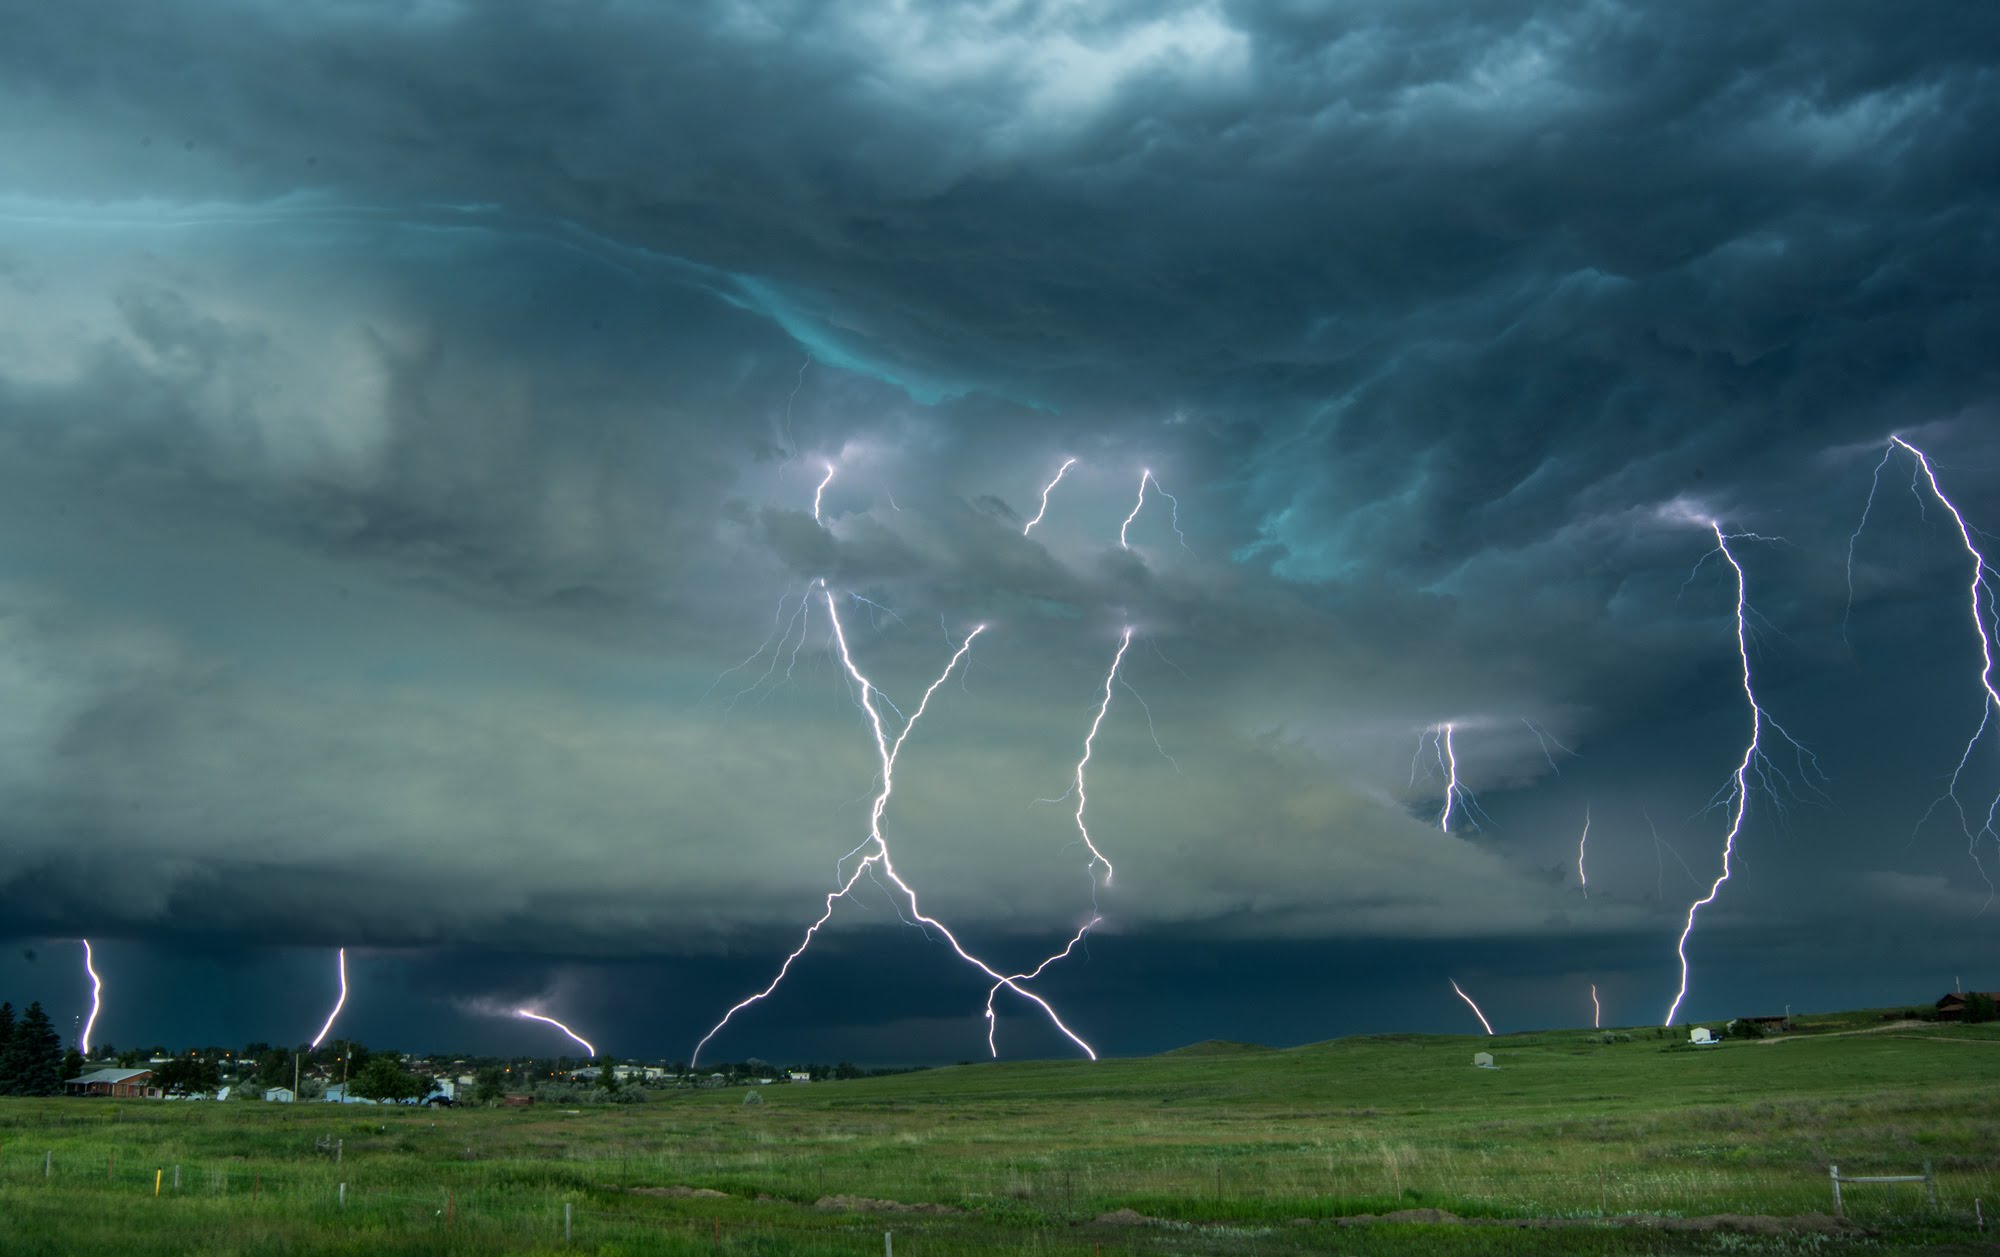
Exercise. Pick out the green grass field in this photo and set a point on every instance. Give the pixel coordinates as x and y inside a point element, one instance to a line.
<point>1224,1149</point>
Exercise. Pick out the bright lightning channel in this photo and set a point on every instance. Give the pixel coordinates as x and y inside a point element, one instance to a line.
<point>1046,490</point>
<point>96,998</point>
<point>1456,797</point>
<point>1089,739</point>
<point>992,1023</point>
<point>1985,626</point>
<point>337,1004</point>
<point>821,491</point>
<point>522,1012</point>
<point>1469,1004</point>
<point>1596,1009</point>
<point>877,844</point>
<point>1583,879</point>
<point>1145,478</point>
<point>1736,794</point>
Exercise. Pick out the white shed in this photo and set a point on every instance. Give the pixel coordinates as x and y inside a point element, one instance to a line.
<point>1483,1060</point>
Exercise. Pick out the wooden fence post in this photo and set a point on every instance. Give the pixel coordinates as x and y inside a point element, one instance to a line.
<point>1930,1183</point>
<point>888,1245</point>
<point>1833,1172</point>
<point>343,1195</point>
<point>48,1164</point>
<point>566,1220</point>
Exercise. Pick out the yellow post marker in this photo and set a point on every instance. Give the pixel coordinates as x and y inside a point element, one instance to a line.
<point>156,1181</point>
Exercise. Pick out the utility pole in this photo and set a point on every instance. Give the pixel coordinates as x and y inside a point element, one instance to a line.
<point>295,1078</point>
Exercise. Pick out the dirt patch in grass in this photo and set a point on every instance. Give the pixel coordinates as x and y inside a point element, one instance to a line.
<point>1742,1223</point>
<point>677,1192</point>
<point>868,1204</point>
<point>1126,1217</point>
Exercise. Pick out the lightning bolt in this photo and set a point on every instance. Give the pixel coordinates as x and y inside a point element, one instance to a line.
<point>1456,796</point>
<point>992,1023</point>
<point>820,492</point>
<point>96,998</point>
<point>1985,609</point>
<point>1089,740</point>
<point>1046,490</point>
<point>1469,1004</point>
<point>1735,795</point>
<point>1596,1009</point>
<point>337,1004</point>
<point>1583,880</point>
<point>877,844</point>
<point>522,1012</point>
<point>1547,739</point>
<point>1146,478</point>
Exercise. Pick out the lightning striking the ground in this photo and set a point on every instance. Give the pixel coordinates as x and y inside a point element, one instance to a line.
<point>1735,795</point>
<point>522,1012</point>
<point>96,998</point>
<point>1469,1004</point>
<point>877,844</point>
<point>1582,878</point>
<point>1984,603</point>
<point>337,1004</point>
<point>992,1022</point>
<point>1596,1009</point>
<point>1046,490</point>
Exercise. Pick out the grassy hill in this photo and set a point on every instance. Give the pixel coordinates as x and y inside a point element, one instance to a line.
<point>1217,1148</point>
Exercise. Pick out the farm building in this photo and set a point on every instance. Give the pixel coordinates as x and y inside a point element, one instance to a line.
<point>112,1082</point>
<point>1952,1006</point>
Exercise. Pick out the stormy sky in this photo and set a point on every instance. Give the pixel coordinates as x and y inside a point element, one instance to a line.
<point>411,415</point>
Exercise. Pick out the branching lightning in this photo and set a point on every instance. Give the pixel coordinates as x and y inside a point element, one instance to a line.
<point>1546,739</point>
<point>992,1023</point>
<point>1469,1004</point>
<point>337,1004</point>
<point>96,998</point>
<point>1046,490</point>
<point>876,845</point>
<point>1456,797</point>
<point>522,1012</point>
<point>1735,795</point>
<point>1146,478</point>
<point>1983,597</point>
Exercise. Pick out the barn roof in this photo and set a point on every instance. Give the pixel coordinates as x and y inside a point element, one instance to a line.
<point>106,1076</point>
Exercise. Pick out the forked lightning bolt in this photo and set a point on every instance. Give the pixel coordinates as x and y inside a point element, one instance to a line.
<point>1046,490</point>
<point>992,1022</point>
<point>877,845</point>
<point>337,1004</point>
<point>1146,478</point>
<point>96,998</point>
<point>1983,598</point>
<point>1456,797</point>
<point>1474,1007</point>
<point>1735,795</point>
<point>522,1012</point>
<point>1089,740</point>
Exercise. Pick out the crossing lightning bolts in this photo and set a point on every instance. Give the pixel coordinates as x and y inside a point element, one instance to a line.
<point>1735,795</point>
<point>1046,490</point>
<point>877,858</point>
<point>588,1049</point>
<point>96,998</point>
<point>338,1004</point>
<point>1469,1004</point>
<point>1985,609</point>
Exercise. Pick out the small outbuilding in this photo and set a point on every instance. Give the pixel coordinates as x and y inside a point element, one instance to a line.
<point>1484,1060</point>
<point>1700,1037</point>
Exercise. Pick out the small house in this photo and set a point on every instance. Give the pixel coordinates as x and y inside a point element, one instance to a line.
<point>1952,1006</point>
<point>112,1082</point>
<point>280,1095</point>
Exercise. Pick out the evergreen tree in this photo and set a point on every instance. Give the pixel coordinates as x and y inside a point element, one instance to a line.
<point>73,1064</point>
<point>37,1050</point>
<point>8,1069</point>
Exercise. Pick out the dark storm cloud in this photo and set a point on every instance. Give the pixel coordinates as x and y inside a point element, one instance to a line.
<point>407,411</point>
